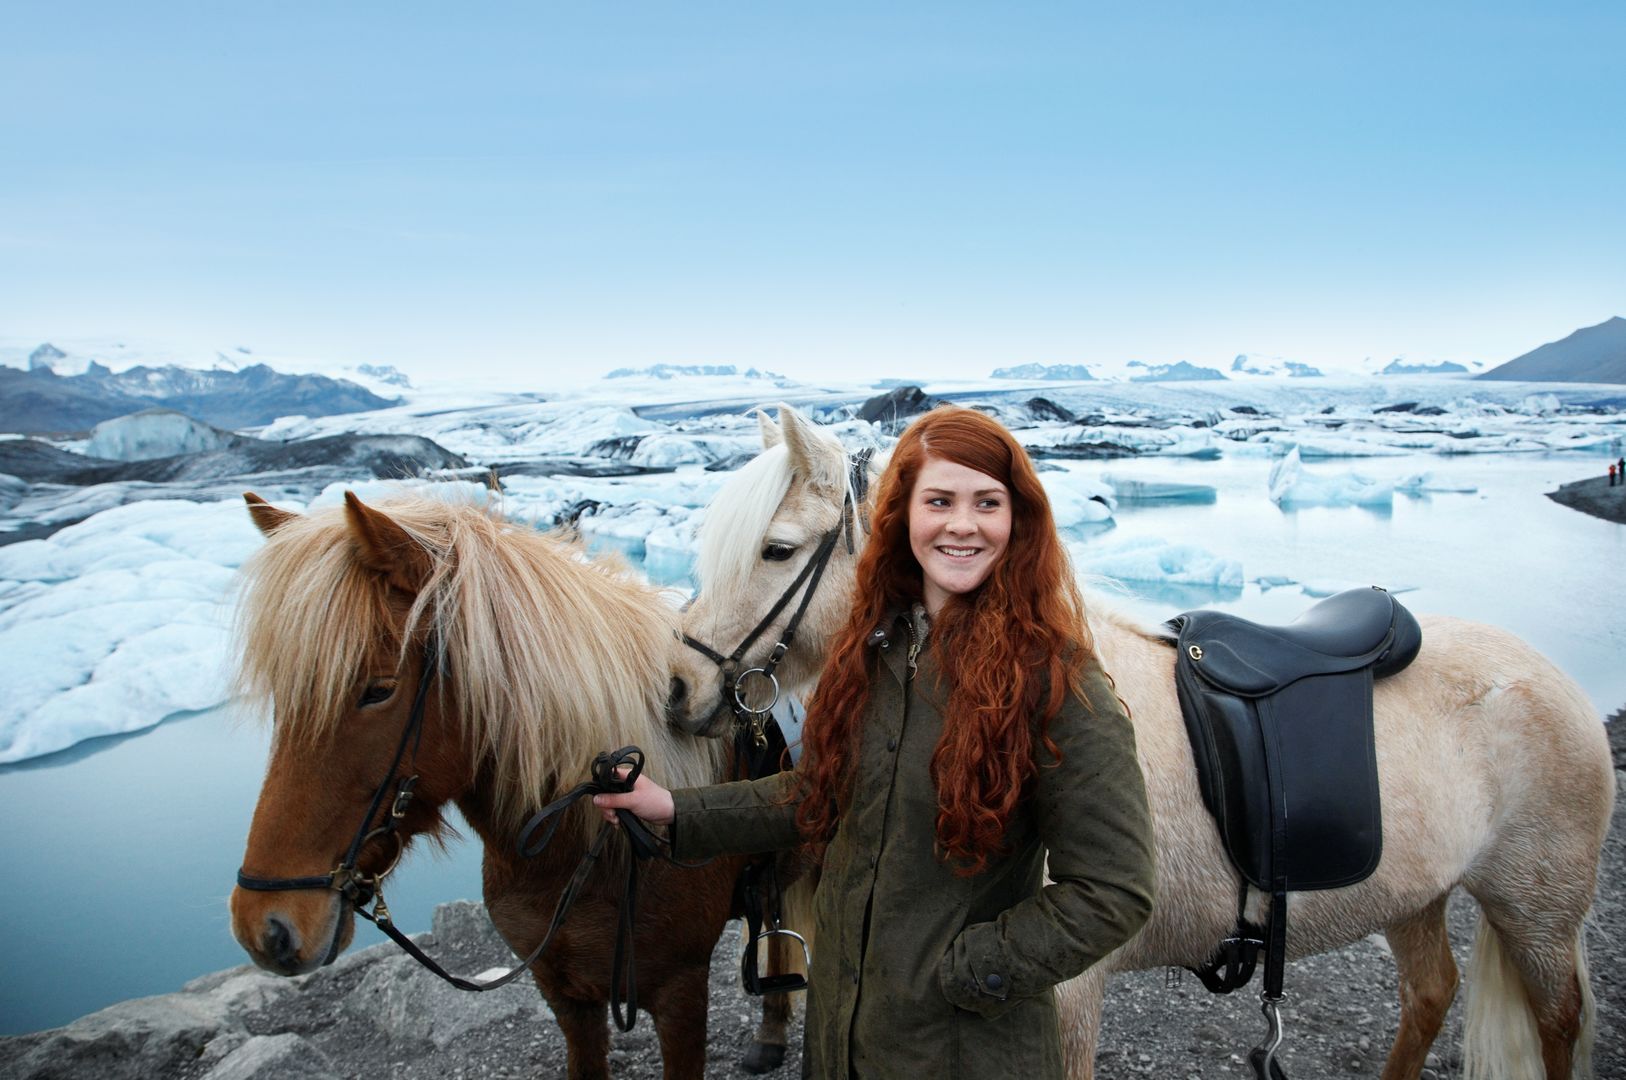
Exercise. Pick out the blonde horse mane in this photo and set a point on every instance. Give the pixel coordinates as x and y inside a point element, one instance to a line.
<point>551,657</point>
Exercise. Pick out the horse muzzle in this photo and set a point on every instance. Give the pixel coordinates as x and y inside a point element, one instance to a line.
<point>291,933</point>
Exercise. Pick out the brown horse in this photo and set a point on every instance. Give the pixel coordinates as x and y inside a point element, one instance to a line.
<point>549,658</point>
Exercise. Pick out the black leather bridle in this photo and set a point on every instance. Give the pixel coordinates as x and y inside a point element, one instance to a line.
<point>734,674</point>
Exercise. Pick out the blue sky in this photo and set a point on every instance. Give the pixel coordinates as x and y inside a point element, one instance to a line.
<point>896,190</point>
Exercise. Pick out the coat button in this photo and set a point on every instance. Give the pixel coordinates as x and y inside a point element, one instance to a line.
<point>855,978</point>
<point>993,982</point>
<point>872,862</point>
<point>892,744</point>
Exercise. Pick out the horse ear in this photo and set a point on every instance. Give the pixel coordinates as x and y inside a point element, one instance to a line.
<point>771,435</point>
<point>810,455</point>
<point>267,518</point>
<point>385,547</point>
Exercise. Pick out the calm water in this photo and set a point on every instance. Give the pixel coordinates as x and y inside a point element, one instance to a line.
<point>119,855</point>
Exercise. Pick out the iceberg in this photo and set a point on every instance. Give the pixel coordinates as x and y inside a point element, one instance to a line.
<point>1292,485</point>
<point>1154,491</point>
<point>1150,559</point>
<point>112,624</point>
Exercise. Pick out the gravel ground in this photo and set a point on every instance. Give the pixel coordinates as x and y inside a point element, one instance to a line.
<point>1342,1012</point>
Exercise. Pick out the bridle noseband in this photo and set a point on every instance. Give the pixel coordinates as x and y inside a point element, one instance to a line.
<point>734,676</point>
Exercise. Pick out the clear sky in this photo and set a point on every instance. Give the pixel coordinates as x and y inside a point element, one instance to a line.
<point>887,189</point>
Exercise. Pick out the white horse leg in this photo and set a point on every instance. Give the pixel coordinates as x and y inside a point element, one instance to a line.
<point>1428,983</point>
<point>1530,1004</point>
<point>1079,1001</point>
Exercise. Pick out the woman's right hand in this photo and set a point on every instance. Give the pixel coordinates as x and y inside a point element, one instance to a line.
<point>647,800</point>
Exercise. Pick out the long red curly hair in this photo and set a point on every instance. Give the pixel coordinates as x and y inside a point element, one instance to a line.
<point>1008,652</point>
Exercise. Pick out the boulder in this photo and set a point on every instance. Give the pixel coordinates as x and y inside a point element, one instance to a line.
<point>274,1057</point>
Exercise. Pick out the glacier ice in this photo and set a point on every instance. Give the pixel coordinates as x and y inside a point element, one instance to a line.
<point>1291,484</point>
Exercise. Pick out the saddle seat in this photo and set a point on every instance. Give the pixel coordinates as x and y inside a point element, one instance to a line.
<point>1350,630</point>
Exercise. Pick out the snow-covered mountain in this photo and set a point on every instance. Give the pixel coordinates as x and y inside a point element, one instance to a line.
<point>39,399</point>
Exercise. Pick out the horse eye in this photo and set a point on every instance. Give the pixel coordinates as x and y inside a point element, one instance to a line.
<point>778,552</point>
<point>377,693</point>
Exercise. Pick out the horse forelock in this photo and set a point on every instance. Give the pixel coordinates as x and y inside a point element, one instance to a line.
<point>551,656</point>
<point>736,520</point>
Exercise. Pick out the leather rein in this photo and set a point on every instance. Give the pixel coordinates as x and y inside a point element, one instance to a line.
<point>359,889</point>
<point>812,572</point>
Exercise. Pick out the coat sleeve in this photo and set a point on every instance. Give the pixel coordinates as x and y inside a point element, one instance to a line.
<point>742,818</point>
<point>1091,814</point>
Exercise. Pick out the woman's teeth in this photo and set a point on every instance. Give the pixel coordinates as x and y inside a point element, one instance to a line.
<point>958,553</point>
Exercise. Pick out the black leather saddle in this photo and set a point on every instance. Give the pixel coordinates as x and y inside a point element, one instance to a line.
<point>1280,721</point>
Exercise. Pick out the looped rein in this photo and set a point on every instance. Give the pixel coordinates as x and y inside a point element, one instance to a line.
<point>643,844</point>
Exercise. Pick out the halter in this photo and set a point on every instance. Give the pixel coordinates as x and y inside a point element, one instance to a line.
<point>734,678</point>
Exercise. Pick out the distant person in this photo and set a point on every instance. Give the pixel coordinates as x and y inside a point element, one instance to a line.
<point>1620,470</point>
<point>1611,474</point>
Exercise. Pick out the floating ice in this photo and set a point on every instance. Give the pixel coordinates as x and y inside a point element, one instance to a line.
<point>1139,491</point>
<point>1424,483</point>
<point>117,622</point>
<point>155,433</point>
<point>1151,559</point>
<point>1076,499</point>
<point>1292,485</point>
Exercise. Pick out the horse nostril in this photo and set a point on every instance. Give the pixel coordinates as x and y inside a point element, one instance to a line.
<point>680,691</point>
<point>277,943</point>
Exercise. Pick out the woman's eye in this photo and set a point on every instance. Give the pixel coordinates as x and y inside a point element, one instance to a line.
<point>377,693</point>
<point>778,552</point>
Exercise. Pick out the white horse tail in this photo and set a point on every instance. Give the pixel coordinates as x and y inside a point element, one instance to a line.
<point>1500,1040</point>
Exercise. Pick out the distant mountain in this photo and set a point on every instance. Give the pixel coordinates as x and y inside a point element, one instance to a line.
<point>1444,367</point>
<point>1249,364</point>
<point>1058,372</point>
<point>40,400</point>
<point>1176,372</point>
<point>671,371</point>
<point>1593,354</point>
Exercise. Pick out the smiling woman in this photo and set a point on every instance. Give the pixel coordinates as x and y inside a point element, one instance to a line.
<point>959,523</point>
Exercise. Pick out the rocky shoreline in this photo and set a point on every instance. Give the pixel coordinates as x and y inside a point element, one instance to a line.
<point>374,1012</point>
<point>1593,496</point>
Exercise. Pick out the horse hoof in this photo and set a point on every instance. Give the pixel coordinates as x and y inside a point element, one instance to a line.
<point>763,1058</point>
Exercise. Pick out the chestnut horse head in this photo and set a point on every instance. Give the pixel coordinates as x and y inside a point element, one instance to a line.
<point>542,659</point>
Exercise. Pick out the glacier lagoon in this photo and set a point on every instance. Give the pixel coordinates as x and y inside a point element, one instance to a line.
<point>119,879</point>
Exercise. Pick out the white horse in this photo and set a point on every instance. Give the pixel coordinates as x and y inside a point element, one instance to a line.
<point>1494,769</point>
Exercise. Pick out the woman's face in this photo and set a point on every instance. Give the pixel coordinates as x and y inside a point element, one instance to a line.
<point>959,523</point>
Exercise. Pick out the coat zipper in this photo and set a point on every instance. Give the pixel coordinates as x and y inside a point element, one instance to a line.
<point>914,648</point>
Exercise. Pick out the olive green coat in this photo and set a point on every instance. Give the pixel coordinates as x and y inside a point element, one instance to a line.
<point>922,974</point>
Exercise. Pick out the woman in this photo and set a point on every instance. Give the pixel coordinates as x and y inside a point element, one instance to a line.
<point>962,731</point>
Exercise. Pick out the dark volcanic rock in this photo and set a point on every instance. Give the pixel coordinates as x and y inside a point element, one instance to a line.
<point>1088,451</point>
<point>895,406</point>
<point>1399,406</point>
<point>1042,408</point>
<point>40,462</point>
<point>385,456</point>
